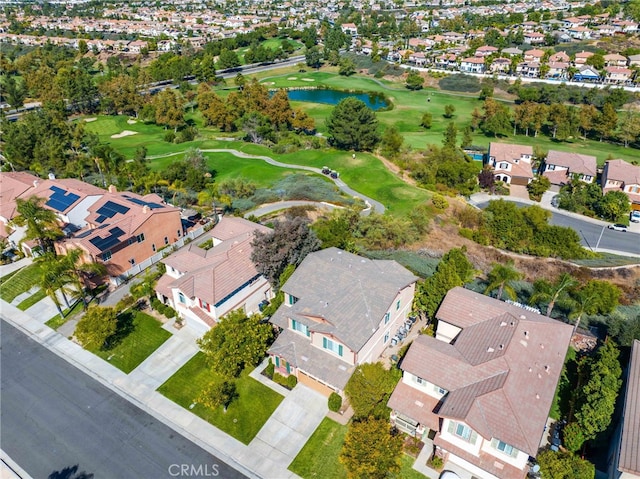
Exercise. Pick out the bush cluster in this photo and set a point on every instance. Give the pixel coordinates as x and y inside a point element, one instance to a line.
<point>288,382</point>
<point>165,310</point>
<point>464,83</point>
<point>335,402</point>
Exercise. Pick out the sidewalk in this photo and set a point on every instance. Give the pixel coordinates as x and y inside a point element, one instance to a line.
<point>267,456</point>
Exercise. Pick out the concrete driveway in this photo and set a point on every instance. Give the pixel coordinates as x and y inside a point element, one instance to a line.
<point>290,426</point>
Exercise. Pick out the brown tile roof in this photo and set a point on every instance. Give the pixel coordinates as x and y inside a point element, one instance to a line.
<point>213,274</point>
<point>630,442</point>
<point>501,371</point>
<point>300,353</point>
<point>621,170</point>
<point>415,404</point>
<point>484,460</point>
<point>12,186</point>
<point>557,177</point>
<point>69,185</point>
<point>506,152</point>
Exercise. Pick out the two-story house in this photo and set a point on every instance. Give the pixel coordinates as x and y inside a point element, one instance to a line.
<point>560,166</point>
<point>472,65</point>
<point>483,387</point>
<point>12,186</point>
<point>204,284</point>
<point>339,310</point>
<point>511,163</point>
<point>124,229</point>
<point>619,175</point>
<point>617,75</point>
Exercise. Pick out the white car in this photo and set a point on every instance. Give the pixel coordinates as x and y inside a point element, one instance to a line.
<point>617,227</point>
<point>634,217</point>
<point>449,475</point>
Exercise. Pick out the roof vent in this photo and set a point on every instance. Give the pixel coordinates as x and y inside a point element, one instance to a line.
<point>326,304</point>
<point>52,176</point>
<point>522,316</point>
<point>490,349</point>
<point>530,370</point>
<point>537,396</point>
<point>501,347</point>
<point>419,404</point>
<point>547,369</point>
<point>512,323</point>
<point>526,334</point>
<point>541,345</point>
<point>503,324</point>
<point>539,376</point>
<point>523,342</point>
<point>304,358</point>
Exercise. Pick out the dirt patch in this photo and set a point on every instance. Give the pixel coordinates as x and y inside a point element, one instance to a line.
<point>89,120</point>
<point>396,170</point>
<point>124,133</point>
<point>132,122</point>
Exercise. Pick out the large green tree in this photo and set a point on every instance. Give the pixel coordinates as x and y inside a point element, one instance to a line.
<point>370,450</point>
<point>597,399</point>
<point>289,243</point>
<point>564,465</point>
<point>369,389</point>
<point>550,293</point>
<point>238,341</point>
<point>353,126</point>
<point>96,327</point>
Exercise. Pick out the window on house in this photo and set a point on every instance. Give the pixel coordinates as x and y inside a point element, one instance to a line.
<point>132,262</point>
<point>179,233</point>
<point>166,240</point>
<point>140,238</point>
<point>462,431</point>
<point>106,256</point>
<point>418,379</point>
<point>504,447</point>
<point>503,166</point>
<point>181,298</point>
<point>292,299</point>
<point>439,390</point>
<point>387,316</point>
<point>332,346</point>
<point>386,338</point>
<point>301,328</point>
<point>205,305</point>
<point>551,167</point>
<point>398,305</point>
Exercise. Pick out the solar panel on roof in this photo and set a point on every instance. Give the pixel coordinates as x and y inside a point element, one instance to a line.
<point>110,241</point>
<point>109,210</point>
<point>61,199</point>
<point>140,202</point>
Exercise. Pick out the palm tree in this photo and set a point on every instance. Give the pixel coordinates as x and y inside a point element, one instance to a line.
<point>41,223</point>
<point>502,277</point>
<point>72,267</point>
<point>551,293</point>
<point>581,302</point>
<point>52,280</point>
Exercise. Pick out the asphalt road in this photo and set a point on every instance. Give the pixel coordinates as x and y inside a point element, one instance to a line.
<point>54,417</point>
<point>590,233</point>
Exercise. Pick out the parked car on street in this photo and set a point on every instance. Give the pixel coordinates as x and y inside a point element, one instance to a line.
<point>634,216</point>
<point>618,227</point>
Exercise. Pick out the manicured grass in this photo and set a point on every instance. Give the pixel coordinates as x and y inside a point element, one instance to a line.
<point>57,321</point>
<point>21,282</point>
<point>607,260</point>
<point>244,417</point>
<point>6,277</point>
<point>33,299</point>
<point>319,456</point>
<point>318,459</point>
<point>138,336</point>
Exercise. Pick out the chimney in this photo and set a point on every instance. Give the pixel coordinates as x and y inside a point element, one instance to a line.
<point>145,209</point>
<point>35,183</point>
<point>52,176</point>
<point>113,189</point>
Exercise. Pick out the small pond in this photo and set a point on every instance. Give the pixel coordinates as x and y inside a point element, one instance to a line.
<point>375,101</point>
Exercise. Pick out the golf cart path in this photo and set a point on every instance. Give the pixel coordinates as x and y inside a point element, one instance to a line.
<point>371,203</point>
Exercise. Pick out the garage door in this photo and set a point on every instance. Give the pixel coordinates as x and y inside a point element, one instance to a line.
<point>314,384</point>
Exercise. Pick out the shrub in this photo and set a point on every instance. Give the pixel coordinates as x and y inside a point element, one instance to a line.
<point>155,303</point>
<point>436,462</point>
<point>169,136</point>
<point>440,202</point>
<point>125,303</point>
<point>573,437</point>
<point>288,382</point>
<point>169,312</point>
<point>270,369</point>
<point>466,233</point>
<point>465,83</point>
<point>291,381</point>
<point>335,402</point>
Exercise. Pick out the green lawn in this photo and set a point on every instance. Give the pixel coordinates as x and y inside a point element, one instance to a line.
<point>319,456</point>
<point>244,417</point>
<point>138,336</point>
<point>318,459</point>
<point>31,300</point>
<point>20,282</point>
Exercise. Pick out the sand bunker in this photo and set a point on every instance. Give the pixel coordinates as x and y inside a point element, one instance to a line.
<point>308,79</point>
<point>88,120</point>
<point>124,133</point>
<point>292,78</point>
<point>269,83</point>
<point>132,122</point>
